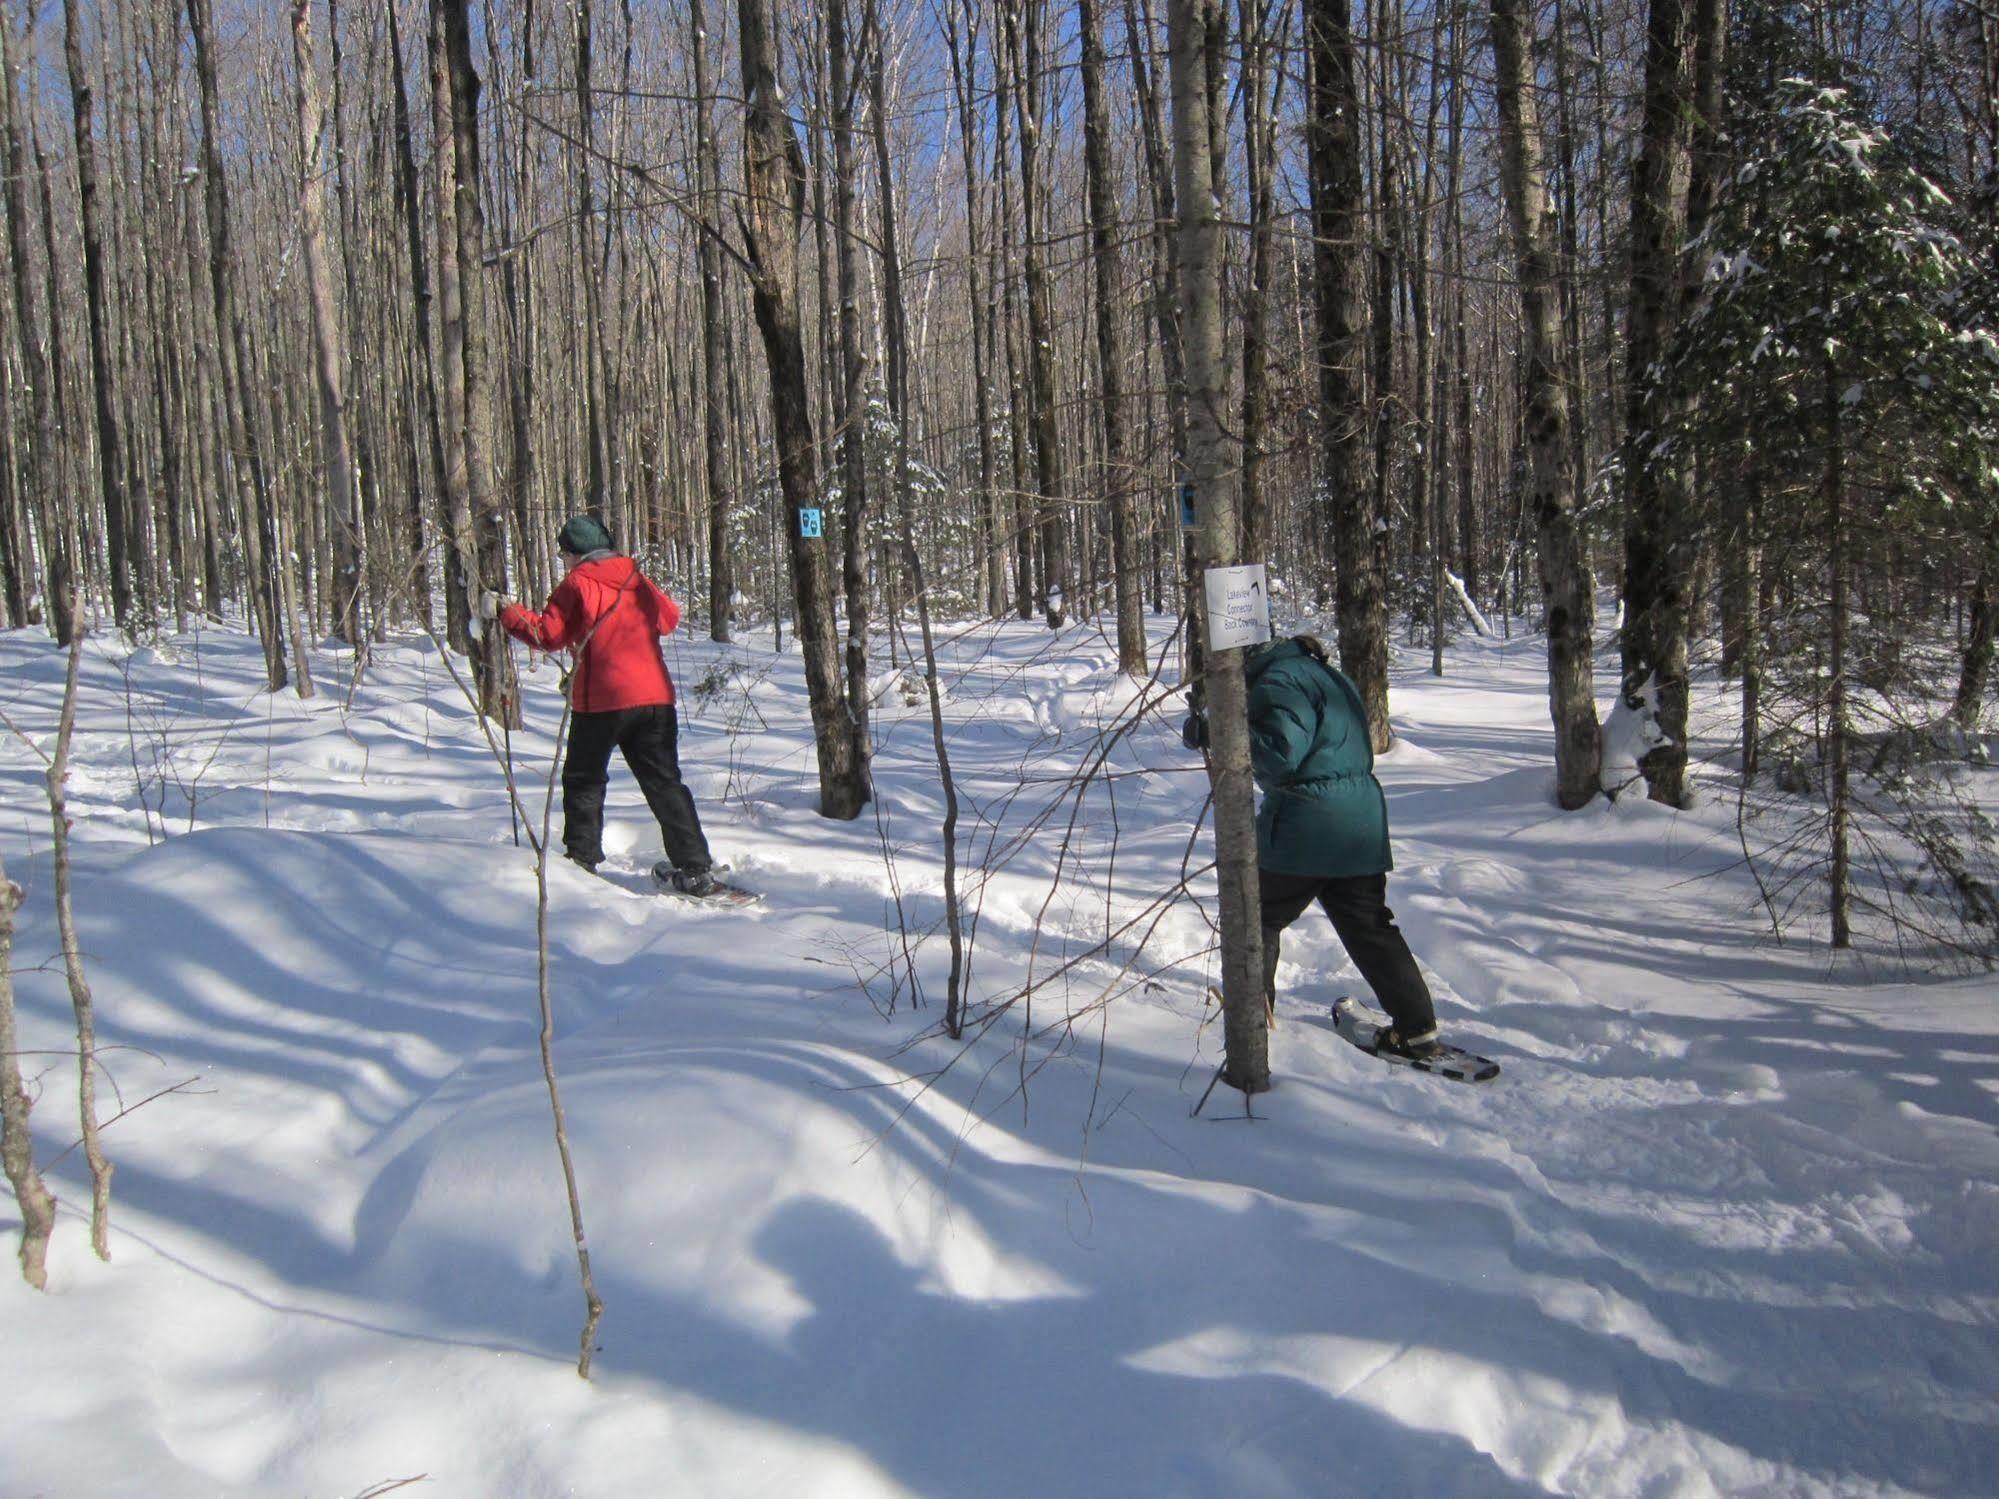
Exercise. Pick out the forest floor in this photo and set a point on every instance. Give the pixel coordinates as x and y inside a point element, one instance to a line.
<point>1727,1223</point>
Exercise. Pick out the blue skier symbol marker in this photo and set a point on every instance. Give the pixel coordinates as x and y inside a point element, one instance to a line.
<point>1188,518</point>
<point>808,523</point>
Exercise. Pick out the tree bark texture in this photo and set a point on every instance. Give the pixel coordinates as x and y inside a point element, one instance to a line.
<point>715,411</point>
<point>1550,486</point>
<point>1212,466</point>
<point>1339,218</point>
<point>263,559</point>
<point>1026,20</point>
<point>327,338</point>
<point>1127,585</point>
<point>97,295</point>
<point>474,501</point>
<point>1656,563</point>
<point>855,561</point>
<point>774,187</point>
<point>17,1146</point>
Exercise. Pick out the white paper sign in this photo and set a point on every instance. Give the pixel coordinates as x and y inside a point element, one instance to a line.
<point>1238,607</point>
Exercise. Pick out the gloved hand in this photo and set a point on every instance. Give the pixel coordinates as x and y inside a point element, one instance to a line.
<point>490,604</point>
<point>1194,732</point>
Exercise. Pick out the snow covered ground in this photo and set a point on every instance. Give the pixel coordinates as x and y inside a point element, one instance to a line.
<point>1726,1225</point>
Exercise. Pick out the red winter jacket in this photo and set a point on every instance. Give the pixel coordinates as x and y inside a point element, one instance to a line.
<point>611,616</point>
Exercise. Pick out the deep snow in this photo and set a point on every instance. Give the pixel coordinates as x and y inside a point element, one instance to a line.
<point>1726,1225</point>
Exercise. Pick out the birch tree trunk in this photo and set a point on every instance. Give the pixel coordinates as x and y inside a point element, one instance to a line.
<point>1550,485</point>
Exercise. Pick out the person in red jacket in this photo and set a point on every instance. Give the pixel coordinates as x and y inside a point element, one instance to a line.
<point>609,616</point>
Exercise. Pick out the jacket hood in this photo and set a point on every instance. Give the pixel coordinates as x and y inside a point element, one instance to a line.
<point>606,567</point>
<point>1260,658</point>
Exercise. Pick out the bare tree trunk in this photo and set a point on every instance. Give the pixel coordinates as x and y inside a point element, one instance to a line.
<point>372,560</point>
<point>519,286</point>
<point>1982,629</point>
<point>1259,170</point>
<point>1005,82</point>
<point>1127,584</point>
<point>714,331</point>
<point>1212,466</point>
<point>68,538</point>
<point>992,533</point>
<point>327,338</point>
<point>1384,286</point>
<point>1339,218</point>
<point>1429,485</point>
<point>1025,19</point>
<point>151,182</point>
<point>597,493</point>
<point>59,583</point>
<point>468,411</point>
<point>14,558</point>
<point>408,198</point>
<point>774,186</point>
<point>1748,555</point>
<point>17,1145</point>
<point>1657,549</point>
<point>72,955</point>
<point>262,556</point>
<point>896,329</point>
<point>1550,487</point>
<point>1839,796</point>
<point>460,569</point>
<point>1165,276</point>
<point>853,385</point>
<point>103,372</point>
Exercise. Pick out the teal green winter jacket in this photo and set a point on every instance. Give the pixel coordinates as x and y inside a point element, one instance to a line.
<point>1323,812</point>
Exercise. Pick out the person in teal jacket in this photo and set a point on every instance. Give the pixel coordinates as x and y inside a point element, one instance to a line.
<point>1322,831</point>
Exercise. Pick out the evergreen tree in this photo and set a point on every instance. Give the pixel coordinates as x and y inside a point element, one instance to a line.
<point>1845,401</point>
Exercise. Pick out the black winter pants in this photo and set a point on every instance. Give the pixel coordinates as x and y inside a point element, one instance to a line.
<point>649,739</point>
<point>1358,907</point>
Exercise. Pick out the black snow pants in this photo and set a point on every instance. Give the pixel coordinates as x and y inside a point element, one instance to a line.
<point>1358,907</point>
<point>649,739</point>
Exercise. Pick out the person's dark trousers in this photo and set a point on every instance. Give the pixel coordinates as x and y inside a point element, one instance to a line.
<point>1359,910</point>
<point>649,739</point>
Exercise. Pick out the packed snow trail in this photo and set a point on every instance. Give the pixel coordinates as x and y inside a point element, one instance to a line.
<point>1724,1226</point>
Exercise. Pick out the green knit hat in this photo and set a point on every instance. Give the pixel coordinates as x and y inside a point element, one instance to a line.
<point>582,535</point>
